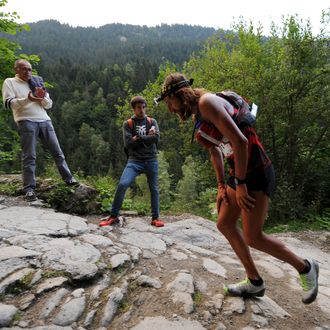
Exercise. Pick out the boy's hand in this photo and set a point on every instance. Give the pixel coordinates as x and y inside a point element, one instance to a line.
<point>152,130</point>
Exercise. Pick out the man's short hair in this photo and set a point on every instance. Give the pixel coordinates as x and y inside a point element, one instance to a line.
<point>19,61</point>
<point>138,99</point>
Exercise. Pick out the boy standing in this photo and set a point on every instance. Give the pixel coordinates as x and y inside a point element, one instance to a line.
<point>141,136</point>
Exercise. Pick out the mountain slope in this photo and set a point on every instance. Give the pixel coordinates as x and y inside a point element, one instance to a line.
<point>112,43</point>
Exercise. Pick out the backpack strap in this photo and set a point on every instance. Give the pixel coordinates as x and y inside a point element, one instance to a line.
<point>130,123</point>
<point>198,120</point>
<point>229,99</point>
<point>149,121</point>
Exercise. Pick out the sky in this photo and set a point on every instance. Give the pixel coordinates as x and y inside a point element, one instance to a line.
<point>207,13</point>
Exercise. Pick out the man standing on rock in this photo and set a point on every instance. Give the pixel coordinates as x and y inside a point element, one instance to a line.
<point>27,97</point>
<point>141,136</point>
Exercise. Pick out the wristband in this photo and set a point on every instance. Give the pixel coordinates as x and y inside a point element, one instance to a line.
<point>239,181</point>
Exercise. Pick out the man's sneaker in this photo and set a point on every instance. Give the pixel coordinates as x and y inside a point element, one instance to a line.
<point>309,282</point>
<point>157,223</point>
<point>245,289</point>
<point>30,196</point>
<point>72,182</point>
<point>108,222</point>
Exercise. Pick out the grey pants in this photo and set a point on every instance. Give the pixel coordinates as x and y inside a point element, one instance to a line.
<point>29,133</point>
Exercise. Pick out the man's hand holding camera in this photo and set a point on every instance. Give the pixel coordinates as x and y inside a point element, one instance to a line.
<point>38,95</point>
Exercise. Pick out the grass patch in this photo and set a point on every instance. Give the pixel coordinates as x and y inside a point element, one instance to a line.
<point>123,306</point>
<point>16,288</point>
<point>54,273</point>
<point>312,223</point>
<point>197,298</point>
<point>121,268</point>
<point>132,287</point>
<point>20,285</point>
<point>26,280</point>
<point>17,317</point>
<point>10,189</point>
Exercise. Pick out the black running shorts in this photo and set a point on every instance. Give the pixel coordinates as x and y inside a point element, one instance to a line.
<point>258,180</point>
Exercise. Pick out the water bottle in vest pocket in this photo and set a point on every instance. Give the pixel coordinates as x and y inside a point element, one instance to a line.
<point>226,148</point>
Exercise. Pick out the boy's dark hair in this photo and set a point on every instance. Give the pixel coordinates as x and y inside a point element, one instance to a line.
<point>138,99</point>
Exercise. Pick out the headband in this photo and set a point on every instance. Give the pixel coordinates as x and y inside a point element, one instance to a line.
<point>172,88</point>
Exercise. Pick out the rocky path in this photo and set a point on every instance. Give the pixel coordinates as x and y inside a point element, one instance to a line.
<point>59,271</point>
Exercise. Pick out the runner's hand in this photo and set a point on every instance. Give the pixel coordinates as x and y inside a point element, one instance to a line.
<point>243,199</point>
<point>221,196</point>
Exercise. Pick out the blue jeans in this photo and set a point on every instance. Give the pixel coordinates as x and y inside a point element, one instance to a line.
<point>131,171</point>
<point>29,132</point>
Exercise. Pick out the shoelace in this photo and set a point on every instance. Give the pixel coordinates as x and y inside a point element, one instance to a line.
<point>246,281</point>
<point>306,283</point>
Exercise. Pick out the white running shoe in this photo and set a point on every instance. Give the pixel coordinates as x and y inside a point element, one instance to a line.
<point>245,289</point>
<point>309,282</point>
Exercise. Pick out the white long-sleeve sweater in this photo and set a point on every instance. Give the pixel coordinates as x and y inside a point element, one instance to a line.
<point>15,97</point>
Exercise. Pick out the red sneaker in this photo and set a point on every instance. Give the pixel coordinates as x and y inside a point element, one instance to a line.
<point>108,222</point>
<point>157,223</point>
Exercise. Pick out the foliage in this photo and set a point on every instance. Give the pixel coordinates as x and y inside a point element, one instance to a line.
<point>21,285</point>
<point>206,205</point>
<point>10,188</point>
<point>8,48</point>
<point>124,305</point>
<point>198,298</point>
<point>7,58</point>
<point>187,188</point>
<point>309,222</point>
<point>10,184</point>
<point>106,188</point>
<point>195,191</point>
<point>140,48</point>
<point>164,182</point>
<point>54,273</point>
<point>9,147</point>
<point>59,196</point>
